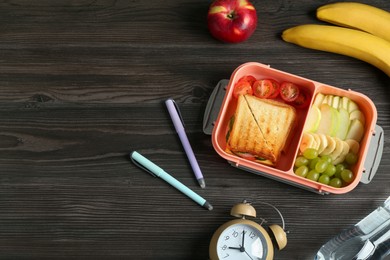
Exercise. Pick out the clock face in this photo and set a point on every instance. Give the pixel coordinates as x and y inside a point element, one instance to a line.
<point>242,241</point>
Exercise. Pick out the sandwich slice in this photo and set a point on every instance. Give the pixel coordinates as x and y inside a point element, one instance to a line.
<point>260,129</point>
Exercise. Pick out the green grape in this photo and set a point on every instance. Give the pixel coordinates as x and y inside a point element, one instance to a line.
<point>302,171</point>
<point>339,168</point>
<point>347,175</point>
<point>327,158</point>
<point>321,166</point>
<point>324,179</point>
<point>301,161</point>
<point>313,175</point>
<point>330,170</point>
<point>313,162</point>
<point>310,153</point>
<point>335,182</point>
<point>351,158</point>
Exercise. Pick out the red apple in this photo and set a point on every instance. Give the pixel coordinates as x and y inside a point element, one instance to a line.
<point>232,21</point>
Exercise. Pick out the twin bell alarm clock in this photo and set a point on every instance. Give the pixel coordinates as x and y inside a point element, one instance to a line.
<point>245,239</point>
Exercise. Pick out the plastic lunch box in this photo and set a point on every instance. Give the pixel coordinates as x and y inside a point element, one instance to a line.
<point>221,106</point>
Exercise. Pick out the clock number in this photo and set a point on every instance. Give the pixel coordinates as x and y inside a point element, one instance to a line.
<point>224,247</point>
<point>226,256</point>
<point>252,235</point>
<point>235,233</point>
<point>227,238</point>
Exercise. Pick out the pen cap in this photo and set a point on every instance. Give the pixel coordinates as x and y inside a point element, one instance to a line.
<point>145,164</point>
<point>175,114</point>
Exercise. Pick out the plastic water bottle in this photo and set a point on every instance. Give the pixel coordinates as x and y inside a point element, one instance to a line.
<point>367,240</point>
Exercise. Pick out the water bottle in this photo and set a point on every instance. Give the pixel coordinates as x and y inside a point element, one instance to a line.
<point>369,239</point>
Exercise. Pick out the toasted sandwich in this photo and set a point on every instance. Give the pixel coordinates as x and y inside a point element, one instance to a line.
<point>260,129</point>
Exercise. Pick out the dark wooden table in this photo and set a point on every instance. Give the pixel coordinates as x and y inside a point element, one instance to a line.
<point>82,84</point>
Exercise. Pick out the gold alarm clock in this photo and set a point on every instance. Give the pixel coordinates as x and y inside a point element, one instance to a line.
<point>245,239</point>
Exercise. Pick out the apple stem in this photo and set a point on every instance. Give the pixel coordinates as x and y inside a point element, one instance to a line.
<point>231,15</point>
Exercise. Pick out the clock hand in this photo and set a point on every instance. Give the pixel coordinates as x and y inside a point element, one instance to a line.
<point>248,254</point>
<point>243,237</point>
<point>241,248</point>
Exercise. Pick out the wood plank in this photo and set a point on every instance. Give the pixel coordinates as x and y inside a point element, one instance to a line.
<point>82,84</point>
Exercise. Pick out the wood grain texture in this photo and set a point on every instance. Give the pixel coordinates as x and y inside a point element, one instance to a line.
<point>82,84</point>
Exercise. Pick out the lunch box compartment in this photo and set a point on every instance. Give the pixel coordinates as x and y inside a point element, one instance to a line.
<point>222,106</point>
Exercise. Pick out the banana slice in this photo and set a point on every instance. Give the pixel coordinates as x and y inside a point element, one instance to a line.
<point>323,143</point>
<point>344,153</point>
<point>354,145</point>
<point>318,100</point>
<point>338,149</point>
<point>307,141</point>
<point>330,147</point>
<point>318,141</point>
<point>336,102</point>
<point>329,100</point>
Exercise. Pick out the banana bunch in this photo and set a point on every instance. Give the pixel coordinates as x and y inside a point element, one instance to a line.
<point>364,33</point>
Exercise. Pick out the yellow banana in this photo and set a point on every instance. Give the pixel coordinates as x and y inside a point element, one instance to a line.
<point>349,42</point>
<point>359,16</point>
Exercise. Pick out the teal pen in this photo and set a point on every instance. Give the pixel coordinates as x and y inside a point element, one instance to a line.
<point>156,171</point>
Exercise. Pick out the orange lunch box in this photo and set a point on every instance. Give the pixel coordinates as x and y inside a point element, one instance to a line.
<point>222,105</point>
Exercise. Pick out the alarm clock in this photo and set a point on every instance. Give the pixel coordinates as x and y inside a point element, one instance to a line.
<point>245,239</point>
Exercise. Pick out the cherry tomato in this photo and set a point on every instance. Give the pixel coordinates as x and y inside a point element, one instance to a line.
<point>303,99</point>
<point>262,88</point>
<point>289,91</point>
<point>275,88</point>
<point>242,88</point>
<point>248,78</point>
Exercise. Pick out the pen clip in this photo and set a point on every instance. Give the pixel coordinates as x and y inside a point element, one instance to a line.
<point>141,166</point>
<point>178,111</point>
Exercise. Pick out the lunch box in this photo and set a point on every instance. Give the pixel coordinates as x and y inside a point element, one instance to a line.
<point>222,105</point>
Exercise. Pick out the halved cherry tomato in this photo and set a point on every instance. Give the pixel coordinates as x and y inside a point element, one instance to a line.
<point>275,88</point>
<point>289,91</point>
<point>303,99</point>
<point>262,88</point>
<point>248,78</point>
<point>242,88</point>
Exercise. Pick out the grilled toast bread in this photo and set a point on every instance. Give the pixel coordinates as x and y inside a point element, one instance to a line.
<point>261,127</point>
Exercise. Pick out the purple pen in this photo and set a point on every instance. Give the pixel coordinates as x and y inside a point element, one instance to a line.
<point>179,126</point>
